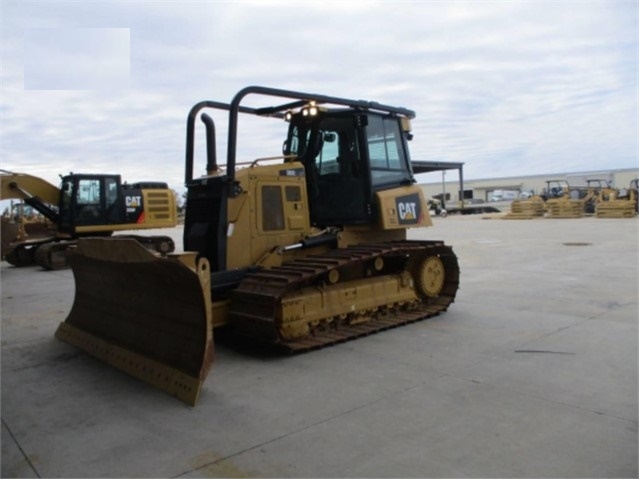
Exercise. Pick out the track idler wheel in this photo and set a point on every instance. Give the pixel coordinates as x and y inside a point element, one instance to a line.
<point>430,276</point>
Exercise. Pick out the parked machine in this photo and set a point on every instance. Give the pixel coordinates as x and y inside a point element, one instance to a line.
<point>556,189</point>
<point>622,203</point>
<point>86,205</point>
<point>301,253</point>
<point>565,201</point>
<point>19,222</point>
<point>435,207</point>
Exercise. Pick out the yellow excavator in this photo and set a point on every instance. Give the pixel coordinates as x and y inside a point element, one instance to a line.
<point>84,205</point>
<point>299,251</point>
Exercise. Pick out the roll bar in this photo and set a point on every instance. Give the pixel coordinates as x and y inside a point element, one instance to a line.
<point>235,108</point>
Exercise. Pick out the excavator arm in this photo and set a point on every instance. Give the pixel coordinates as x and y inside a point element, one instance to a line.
<point>34,191</point>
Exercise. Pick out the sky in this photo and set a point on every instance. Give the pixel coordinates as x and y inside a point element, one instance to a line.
<point>509,88</point>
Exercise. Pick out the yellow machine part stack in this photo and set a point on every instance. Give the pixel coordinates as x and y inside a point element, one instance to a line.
<point>615,209</point>
<point>565,208</point>
<point>526,209</point>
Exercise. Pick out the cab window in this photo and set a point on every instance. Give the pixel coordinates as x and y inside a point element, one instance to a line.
<point>88,192</point>
<point>88,207</point>
<point>388,160</point>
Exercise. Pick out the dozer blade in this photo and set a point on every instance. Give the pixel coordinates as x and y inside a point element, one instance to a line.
<point>145,315</point>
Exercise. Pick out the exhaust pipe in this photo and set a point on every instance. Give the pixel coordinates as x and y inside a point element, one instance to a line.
<point>211,156</point>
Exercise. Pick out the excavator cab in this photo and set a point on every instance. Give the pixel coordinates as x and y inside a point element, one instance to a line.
<point>90,200</point>
<point>90,203</point>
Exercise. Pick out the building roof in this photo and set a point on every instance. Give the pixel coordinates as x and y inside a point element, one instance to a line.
<point>430,166</point>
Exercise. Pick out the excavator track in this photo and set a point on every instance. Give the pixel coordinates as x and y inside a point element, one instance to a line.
<point>426,271</point>
<point>54,255</point>
<point>24,253</point>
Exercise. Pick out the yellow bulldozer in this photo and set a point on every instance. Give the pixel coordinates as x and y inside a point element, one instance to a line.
<point>84,205</point>
<point>299,250</point>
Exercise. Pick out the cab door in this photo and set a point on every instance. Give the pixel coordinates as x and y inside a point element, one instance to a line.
<point>339,182</point>
<point>89,208</point>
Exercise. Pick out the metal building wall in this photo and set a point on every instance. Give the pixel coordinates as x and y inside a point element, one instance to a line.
<point>433,185</point>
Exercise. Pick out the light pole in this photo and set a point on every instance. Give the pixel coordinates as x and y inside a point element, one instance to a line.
<point>444,189</point>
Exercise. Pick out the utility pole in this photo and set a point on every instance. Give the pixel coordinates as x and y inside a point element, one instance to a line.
<point>444,189</point>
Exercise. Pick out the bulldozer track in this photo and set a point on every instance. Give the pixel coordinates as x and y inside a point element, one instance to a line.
<point>256,301</point>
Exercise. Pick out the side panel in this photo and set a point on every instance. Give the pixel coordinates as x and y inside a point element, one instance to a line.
<point>152,208</point>
<point>142,209</point>
<point>402,208</point>
<point>160,209</point>
<point>134,204</point>
<point>275,213</point>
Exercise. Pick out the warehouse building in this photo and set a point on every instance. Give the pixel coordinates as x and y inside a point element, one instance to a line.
<point>445,180</point>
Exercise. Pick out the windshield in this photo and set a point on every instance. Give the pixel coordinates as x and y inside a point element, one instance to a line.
<point>332,145</point>
<point>388,158</point>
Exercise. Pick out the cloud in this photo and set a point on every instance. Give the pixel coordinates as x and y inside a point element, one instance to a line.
<point>76,58</point>
<point>508,88</point>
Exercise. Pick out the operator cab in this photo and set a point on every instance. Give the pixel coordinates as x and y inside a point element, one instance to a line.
<point>87,200</point>
<point>348,156</point>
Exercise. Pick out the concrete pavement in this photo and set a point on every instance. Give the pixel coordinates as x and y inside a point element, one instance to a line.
<point>531,373</point>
